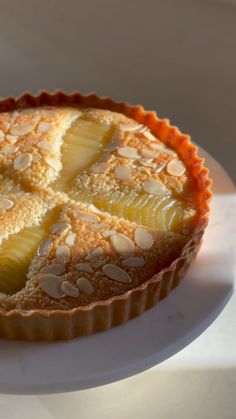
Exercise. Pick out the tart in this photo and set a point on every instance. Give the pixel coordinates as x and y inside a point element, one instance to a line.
<point>102,210</point>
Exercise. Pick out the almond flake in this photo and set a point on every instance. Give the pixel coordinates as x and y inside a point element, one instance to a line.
<point>123,172</point>
<point>176,168</point>
<point>98,227</point>
<point>98,263</point>
<point>22,129</point>
<point>134,262</point>
<point>45,145</point>
<point>90,218</point>
<point>163,148</point>
<point>12,139</point>
<point>128,152</point>
<point>2,136</point>
<point>122,244</point>
<point>143,238</point>
<point>63,253</point>
<point>53,163</point>
<point>44,248</point>
<point>149,154</point>
<point>36,157</point>
<point>84,267</point>
<point>5,204</point>
<point>159,167</point>
<point>8,149</point>
<point>113,146</point>
<point>116,273</point>
<point>44,127</point>
<point>108,233</point>
<point>69,289</point>
<point>51,285</point>
<point>94,253</point>
<point>131,127</point>
<point>60,228</point>
<point>85,286</point>
<point>70,239</point>
<point>154,187</point>
<point>147,162</point>
<point>98,211</point>
<point>99,168</point>
<point>23,161</point>
<point>149,136</point>
<point>144,170</point>
<point>54,269</point>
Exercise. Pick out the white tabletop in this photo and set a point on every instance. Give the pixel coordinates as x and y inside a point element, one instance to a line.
<point>197,383</point>
<point>175,57</point>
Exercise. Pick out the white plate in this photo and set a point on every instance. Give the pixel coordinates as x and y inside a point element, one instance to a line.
<point>32,368</point>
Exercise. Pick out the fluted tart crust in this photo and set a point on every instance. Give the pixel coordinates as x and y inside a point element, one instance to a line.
<point>102,210</point>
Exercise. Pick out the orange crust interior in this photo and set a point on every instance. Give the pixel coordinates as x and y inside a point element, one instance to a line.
<point>102,315</point>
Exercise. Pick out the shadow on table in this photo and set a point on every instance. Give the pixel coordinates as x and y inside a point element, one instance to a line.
<point>192,394</point>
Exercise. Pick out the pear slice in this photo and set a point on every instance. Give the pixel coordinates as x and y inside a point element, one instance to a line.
<point>17,251</point>
<point>83,144</point>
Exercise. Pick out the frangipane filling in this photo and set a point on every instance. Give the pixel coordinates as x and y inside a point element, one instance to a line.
<point>128,205</point>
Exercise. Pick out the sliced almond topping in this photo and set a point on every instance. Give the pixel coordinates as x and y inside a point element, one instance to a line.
<point>85,286</point>
<point>70,239</point>
<point>108,233</point>
<point>149,136</point>
<point>84,267</point>
<point>116,273</point>
<point>22,129</point>
<point>163,148</point>
<point>8,149</point>
<point>69,289</point>
<point>60,228</point>
<point>176,167</point>
<point>130,127</point>
<point>98,227</point>
<point>94,253</point>
<point>128,152</point>
<point>98,211</point>
<point>159,167</point>
<point>36,157</point>
<point>154,187</point>
<point>53,163</point>
<point>149,154</point>
<point>54,269</point>
<point>123,172</point>
<point>51,285</point>
<point>5,203</point>
<point>122,244</point>
<point>94,209</point>
<point>63,253</point>
<point>44,248</point>
<point>23,161</point>
<point>12,139</point>
<point>90,218</point>
<point>44,127</point>
<point>45,145</point>
<point>158,146</point>
<point>134,262</point>
<point>143,238</point>
<point>99,168</point>
<point>113,145</point>
<point>144,170</point>
<point>98,263</point>
<point>147,162</point>
<point>2,136</point>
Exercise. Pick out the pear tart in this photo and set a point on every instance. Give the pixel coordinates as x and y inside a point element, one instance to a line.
<point>102,210</point>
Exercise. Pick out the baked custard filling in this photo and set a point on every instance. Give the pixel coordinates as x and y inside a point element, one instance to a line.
<point>92,204</point>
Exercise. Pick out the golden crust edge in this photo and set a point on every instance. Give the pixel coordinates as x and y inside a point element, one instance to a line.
<point>116,310</point>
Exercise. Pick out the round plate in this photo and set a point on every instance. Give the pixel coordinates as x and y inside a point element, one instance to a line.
<point>38,367</point>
